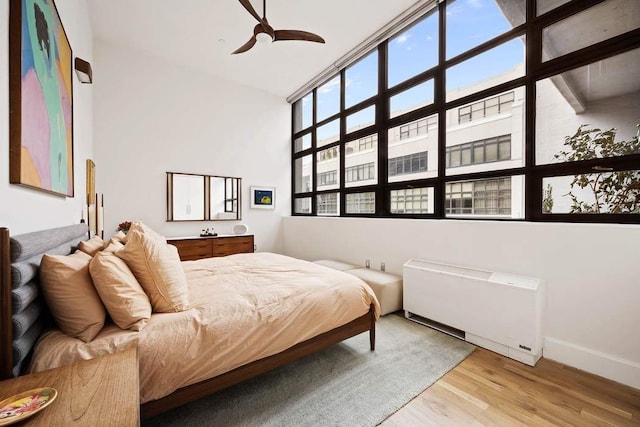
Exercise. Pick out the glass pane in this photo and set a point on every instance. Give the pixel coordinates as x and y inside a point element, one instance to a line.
<point>593,193</point>
<point>362,203</point>
<point>328,204</point>
<point>362,80</point>
<point>303,143</point>
<point>493,67</point>
<point>601,22</point>
<point>303,205</point>
<point>303,174</point>
<point>328,133</point>
<point>412,99</point>
<point>303,113</point>
<point>494,133</point>
<point>328,99</point>
<point>188,197</point>
<point>471,23</point>
<point>361,161</point>
<point>414,50</point>
<point>223,198</point>
<point>361,119</point>
<point>413,150</point>
<point>412,201</point>
<point>545,6</point>
<point>494,197</point>
<point>328,164</point>
<point>589,112</point>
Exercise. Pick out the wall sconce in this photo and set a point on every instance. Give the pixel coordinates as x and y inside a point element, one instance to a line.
<point>83,70</point>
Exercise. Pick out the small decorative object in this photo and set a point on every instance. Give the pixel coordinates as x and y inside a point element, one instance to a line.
<point>263,197</point>
<point>208,233</point>
<point>240,229</point>
<point>23,405</point>
<point>124,226</point>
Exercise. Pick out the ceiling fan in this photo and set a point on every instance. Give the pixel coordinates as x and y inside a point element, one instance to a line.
<point>265,31</point>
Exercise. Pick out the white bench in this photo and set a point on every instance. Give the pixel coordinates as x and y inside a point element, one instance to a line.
<point>386,286</point>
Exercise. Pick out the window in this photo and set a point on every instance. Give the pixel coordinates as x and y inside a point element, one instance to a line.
<point>420,127</point>
<point>360,172</point>
<point>477,152</point>
<point>328,178</point>
<point>361,203</point>
<point>515,118</point>
<point>482,197</point>
<point>486,108</point>
<point>412,163</point>
<point>411,201</point>
<point>328,204</point>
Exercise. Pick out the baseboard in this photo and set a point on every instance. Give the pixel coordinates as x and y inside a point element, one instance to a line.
<point>605,365</point>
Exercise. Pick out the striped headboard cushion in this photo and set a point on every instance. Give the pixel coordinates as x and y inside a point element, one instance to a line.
<point>29,313</point>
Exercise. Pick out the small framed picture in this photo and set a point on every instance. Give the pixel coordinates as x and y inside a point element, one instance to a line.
<point>263,197</point>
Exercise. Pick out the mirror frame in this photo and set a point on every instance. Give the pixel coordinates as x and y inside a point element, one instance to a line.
<point>207,197</point>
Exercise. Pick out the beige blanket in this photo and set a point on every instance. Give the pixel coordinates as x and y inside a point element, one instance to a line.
<point>244,307</point>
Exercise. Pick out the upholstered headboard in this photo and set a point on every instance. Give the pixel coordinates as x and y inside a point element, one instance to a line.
<point>23,313</point>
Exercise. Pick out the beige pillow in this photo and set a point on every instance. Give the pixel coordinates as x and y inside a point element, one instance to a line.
<point>70,295</point>
<point>119,291</point>
<point>120,236</point>
<point>144,229</point>
<point>114,245</point>
<point>157,267</point>
<point>92,246</point>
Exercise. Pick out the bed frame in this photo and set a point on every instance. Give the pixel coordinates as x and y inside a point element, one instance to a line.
<point>24,316</point>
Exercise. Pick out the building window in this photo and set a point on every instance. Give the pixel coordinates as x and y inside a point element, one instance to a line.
<point>410,201</point>
<point>361,203</point>
<point>367,143</point>
<point>481,197</point>
<point>486,108</point>
<point>411,163</point>
<point>328,204</point>
<point>360,172</point>
<point>419,127</point>
<point>477,152</point>
<point>328,178</point>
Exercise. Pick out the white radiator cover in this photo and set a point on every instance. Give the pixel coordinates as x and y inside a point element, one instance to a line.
<point>499,311</point>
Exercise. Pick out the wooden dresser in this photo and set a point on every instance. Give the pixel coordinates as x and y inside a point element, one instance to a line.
<point>192,248</point>
<point>97,392</point>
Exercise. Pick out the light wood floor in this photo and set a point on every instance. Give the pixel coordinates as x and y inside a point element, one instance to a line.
<point>487,389</point>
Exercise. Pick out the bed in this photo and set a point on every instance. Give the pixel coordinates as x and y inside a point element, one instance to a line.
<point>283,329</point>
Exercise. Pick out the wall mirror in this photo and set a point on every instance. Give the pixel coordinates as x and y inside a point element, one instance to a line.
<point>193,197</point>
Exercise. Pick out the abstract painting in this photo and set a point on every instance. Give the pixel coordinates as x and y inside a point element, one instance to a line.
<point>263,197</point>
<point>41,98</point>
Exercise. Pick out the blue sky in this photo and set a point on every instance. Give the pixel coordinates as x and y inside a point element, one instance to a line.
<point>469,23</point>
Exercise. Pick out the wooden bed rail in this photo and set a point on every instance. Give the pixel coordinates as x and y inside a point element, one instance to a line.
<point>6,324</point>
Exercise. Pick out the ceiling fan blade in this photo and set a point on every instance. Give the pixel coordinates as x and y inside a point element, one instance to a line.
<point>245,47</point>
<point>297,35</point>
<point>250,9</point>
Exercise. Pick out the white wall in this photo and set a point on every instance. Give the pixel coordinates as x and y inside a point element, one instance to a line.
<point>153,116</point>
<point>22,209</point>
<point>591,270</point>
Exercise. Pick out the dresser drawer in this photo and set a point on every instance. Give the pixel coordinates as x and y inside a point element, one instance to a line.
<point>232,245</point>
<point>192,249</point>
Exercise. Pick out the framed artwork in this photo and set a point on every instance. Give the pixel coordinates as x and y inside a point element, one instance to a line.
<point>263,197</point>
<point>40,98</point>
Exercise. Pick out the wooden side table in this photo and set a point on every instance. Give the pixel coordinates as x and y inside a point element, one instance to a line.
<point>98,392</point>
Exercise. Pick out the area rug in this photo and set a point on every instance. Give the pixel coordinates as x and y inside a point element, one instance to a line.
<point>344,385</point>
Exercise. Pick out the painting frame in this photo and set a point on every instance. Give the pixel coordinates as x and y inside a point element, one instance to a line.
<point>41,142</point>
<point>263,197</point>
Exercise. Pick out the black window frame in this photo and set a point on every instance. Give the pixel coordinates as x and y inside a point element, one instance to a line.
<point>536,70</point>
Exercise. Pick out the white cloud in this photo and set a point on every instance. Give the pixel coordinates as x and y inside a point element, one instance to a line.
<point>330,85</point>
<point>403,38</point>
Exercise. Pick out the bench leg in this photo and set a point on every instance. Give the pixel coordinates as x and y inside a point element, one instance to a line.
<point>372,331</point>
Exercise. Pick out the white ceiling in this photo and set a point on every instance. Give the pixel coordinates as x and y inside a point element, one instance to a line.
<point>203,33</point>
